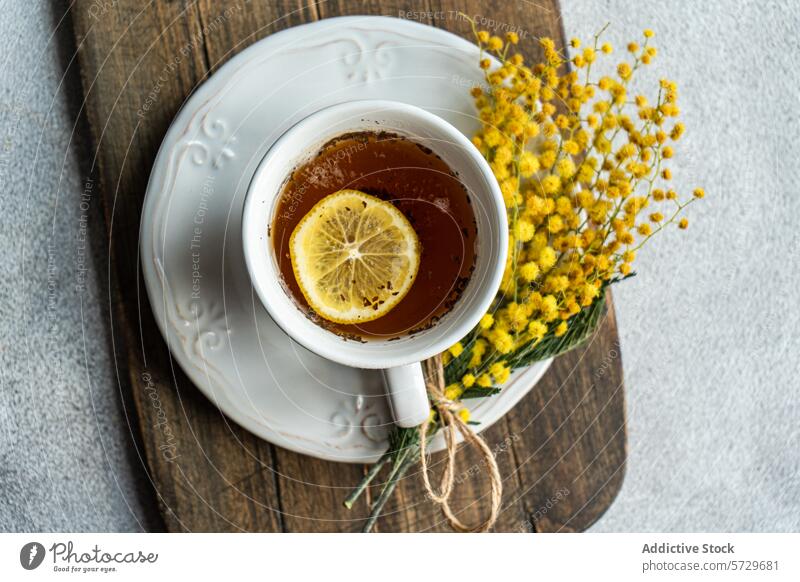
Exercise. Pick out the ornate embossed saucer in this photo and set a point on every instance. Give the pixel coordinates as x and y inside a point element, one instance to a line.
<point>191,247</point>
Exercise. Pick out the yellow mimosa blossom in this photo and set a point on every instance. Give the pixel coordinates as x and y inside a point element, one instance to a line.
<point>484,381</point>
<point>500,372</point>
<point>565,168</point>
<point>580,162</point>
<point>537,329</point>
<point>528,164</point>
<point>551,184</point>
<point>453,391</point>
<point>495,43</point>
<point>547,258</point>
<point>456,349</point>
<point>555,223</point>
<point>529,271</point>
<point>547,159</point>
<point>501,340</point>
<point>524,231</point>
<point>549,308</point>
<point>478,351</point>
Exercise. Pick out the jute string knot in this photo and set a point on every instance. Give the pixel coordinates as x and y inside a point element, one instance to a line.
<point>452,424</point>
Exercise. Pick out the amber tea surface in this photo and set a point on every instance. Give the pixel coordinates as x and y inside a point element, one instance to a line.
<point>419,184</point>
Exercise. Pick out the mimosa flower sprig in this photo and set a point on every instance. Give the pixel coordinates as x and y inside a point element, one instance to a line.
<point>583,167</point>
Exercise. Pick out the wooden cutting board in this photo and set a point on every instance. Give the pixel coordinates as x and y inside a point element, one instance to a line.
<point>561,450</point>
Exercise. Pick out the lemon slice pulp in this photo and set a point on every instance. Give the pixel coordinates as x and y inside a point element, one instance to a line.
<point>354,257</point>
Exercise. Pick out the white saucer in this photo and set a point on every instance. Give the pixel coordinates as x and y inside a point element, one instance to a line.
<point>191,226</point>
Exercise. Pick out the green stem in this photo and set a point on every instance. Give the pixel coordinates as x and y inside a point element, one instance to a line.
<point>401,466</point>
<point>373,471</point>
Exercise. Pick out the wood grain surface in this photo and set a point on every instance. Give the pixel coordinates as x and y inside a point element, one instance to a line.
<point>561,450</point>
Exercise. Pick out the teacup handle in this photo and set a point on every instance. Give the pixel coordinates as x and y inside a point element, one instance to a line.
<point>405,386</point>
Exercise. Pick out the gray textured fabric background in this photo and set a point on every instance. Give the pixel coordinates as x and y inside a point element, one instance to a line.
<point>709,327</point>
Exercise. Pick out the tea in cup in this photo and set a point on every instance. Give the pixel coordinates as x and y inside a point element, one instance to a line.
<point>376,236</point>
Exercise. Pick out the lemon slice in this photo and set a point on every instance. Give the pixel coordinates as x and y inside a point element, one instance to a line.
<point>354,257</point>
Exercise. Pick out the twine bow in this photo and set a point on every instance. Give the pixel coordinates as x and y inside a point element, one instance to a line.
<point>452,422</point>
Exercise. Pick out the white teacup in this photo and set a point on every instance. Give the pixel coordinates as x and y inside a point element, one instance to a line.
<point>399,359</point>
